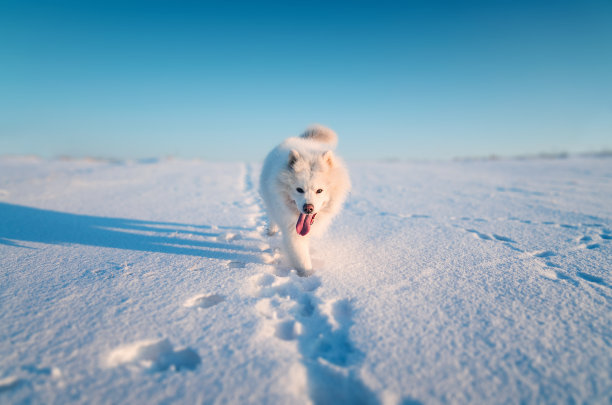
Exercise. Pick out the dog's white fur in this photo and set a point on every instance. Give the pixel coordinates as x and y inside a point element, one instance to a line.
<point>308,163</point>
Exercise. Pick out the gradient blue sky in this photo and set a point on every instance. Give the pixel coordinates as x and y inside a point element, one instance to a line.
<point>229,80</point>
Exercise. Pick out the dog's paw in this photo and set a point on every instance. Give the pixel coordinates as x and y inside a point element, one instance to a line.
<point>305,273</point>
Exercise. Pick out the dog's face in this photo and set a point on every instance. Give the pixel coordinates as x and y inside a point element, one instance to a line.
<point>310,181</point>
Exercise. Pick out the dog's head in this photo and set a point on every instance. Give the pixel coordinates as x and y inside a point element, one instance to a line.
<point>310,181</point>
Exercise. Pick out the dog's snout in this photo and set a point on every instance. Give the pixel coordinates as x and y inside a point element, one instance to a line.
<point>308,208</point>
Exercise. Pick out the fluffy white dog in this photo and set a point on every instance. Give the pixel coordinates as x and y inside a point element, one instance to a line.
<point>303,186</point>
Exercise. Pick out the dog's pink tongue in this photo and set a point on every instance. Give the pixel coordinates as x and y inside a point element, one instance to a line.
<point>303,223</point>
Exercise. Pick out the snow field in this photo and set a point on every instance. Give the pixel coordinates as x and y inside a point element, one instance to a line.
<point>486,289</point>
<point>458,282</point>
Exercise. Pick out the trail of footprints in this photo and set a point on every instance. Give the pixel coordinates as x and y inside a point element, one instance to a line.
<point>290,312</point>
<point>320,331</point>
<point>593,237</point>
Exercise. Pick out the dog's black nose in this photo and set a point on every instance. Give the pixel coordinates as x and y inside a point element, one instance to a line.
<point>308,208</point>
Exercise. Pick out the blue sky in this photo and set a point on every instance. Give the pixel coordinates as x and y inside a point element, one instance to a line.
<point>229,80</point>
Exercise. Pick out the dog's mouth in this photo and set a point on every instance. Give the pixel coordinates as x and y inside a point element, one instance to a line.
<point>304,223</point>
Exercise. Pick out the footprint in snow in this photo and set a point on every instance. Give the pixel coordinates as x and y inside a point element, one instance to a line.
<point>478,234</point>
<point>339,313</point>
<point>204,301</point>
<point>503,238</point>
<point>591,278</point>
<point>154,356</point>
<point>549,274</point>
<point>9,383</point>
<point>543,253</point>
<point>33,375</point>
<point>558,275</point>
<point>288,329</point>
<point>493,237</point>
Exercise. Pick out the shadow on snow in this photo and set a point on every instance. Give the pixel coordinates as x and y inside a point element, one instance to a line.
<point>26,224</point>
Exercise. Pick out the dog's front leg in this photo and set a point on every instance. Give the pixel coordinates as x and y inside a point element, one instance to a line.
<point>297,248</point>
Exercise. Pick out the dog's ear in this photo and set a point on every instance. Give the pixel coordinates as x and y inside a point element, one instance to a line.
<point>293,157</point>
<point>328,158</point>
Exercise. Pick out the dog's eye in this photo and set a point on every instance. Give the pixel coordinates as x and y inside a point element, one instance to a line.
<point>299,190</point>
<point>319,191</point>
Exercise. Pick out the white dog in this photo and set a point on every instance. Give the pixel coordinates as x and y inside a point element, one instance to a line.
<point>303,186</point>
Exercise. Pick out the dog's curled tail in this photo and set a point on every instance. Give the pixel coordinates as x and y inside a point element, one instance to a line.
<point>321,134</point>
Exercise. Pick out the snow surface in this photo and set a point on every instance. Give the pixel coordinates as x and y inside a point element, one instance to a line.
<point>455,282</point>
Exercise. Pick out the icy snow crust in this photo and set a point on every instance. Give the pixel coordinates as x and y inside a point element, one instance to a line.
<point>153,282</point>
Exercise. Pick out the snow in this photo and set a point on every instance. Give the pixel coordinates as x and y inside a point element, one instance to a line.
<point>440,282</point>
